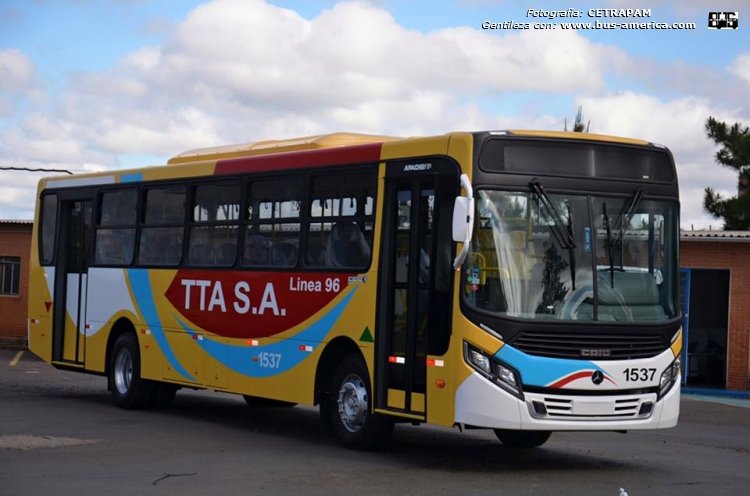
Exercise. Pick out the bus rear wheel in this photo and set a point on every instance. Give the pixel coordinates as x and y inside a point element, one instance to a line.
<point>347,409</point>
<point>522,439</point>
<point>128,389</point>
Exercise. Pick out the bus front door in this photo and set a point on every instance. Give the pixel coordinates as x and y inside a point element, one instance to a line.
<point>415,275</point>
<point>70,285</point>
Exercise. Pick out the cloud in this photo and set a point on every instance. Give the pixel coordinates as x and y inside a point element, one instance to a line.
<point>18,80</point>
<point>243,70</point>
<point>265,57</point>
<point>235,70</point>
<point>741,68</point>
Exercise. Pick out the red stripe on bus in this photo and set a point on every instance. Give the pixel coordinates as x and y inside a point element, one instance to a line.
<point>571,378</point>
<point>301,159</point>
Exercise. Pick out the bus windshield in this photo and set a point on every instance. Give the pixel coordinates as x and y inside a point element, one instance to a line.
<point>573,257</point>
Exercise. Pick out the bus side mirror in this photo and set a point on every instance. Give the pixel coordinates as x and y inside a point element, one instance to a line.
<point>463,221</point>
<point>463,213</point>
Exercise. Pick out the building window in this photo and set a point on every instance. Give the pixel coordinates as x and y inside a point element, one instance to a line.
<point>10,274</point>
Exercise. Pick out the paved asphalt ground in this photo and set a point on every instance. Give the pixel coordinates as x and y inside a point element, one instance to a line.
<point>60,435</point>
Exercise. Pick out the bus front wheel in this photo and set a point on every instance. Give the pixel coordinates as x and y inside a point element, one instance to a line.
<point>348,412</point>
<point>522,439</point>
<point>128,389</point>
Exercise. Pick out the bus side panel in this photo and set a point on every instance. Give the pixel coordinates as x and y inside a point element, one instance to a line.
<point>40,308</point>
<point>40,296</point>
<point>284,367</point>
<point>108,300</point>
<point>256,333</point>
<point>446,373</point>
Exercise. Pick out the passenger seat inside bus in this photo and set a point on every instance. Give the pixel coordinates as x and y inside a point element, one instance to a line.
<point>200,254</point>
<point>347,246</point>
<point>284,253</point>
<point>257,250</point>
<point>225,254</point>
<point>315,252</point>
<point>635,296</point>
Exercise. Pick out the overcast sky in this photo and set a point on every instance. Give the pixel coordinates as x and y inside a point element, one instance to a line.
<point>89,85</point>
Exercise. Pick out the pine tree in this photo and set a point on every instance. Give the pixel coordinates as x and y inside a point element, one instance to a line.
<point>554,289</point>
<point>734,153</point>
<point>578,126</point>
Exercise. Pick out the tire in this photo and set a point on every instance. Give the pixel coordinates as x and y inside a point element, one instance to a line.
<point>129,390</point>
<point>522,439</point>
<point>258,402</point>
<point>347,409</point>
<point>164,395</point>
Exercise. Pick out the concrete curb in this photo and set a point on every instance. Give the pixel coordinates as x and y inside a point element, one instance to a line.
<point>719,393</point>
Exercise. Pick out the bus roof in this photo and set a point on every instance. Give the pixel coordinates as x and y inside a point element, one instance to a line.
<point>277,146</point>
<point>576,136</point>
<point>332,140</point>
<point>330,149</point>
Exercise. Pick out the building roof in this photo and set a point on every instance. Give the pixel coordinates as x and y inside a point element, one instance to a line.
<point>710,235</point>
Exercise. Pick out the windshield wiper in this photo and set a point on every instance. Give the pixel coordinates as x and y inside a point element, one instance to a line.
<point>562,232</point>
<point>627,212</point>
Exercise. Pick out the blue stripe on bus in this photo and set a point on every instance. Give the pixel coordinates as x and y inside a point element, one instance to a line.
<point>144,299</point>
<point>131,178</point>
<point>280,356</point>
<point>542,371</point>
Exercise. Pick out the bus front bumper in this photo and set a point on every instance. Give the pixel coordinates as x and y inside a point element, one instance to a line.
<point>480,403</point>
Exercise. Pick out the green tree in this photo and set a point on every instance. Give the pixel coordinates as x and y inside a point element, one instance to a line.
<point>554,290</point>
<point>734,152</point>
<point>578,126</point>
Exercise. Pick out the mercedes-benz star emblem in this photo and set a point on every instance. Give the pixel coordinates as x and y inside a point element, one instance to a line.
<point>597,377</point>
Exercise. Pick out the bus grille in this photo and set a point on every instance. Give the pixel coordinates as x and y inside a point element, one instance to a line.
<point>609,346</point>
<point>567,407</point>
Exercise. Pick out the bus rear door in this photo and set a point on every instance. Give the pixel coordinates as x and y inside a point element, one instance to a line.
<point>73,247</point>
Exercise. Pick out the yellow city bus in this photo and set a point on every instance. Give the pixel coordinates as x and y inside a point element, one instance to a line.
<point>521,281</point>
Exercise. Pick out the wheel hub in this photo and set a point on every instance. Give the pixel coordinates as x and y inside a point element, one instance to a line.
<point>123,371</point>
<point>352,403</point>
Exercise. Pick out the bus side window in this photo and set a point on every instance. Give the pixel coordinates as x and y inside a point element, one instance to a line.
<point>49,226</point>
<point>162,229</point>
<point>342,207</point>
<point>273,216</point>
<point>115,232</point>
<point>212,237</point>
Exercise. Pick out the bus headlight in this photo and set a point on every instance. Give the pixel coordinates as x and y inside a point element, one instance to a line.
<point>506,375</point>
<point>480,361</point>
<point>669,377</point>
<point>494,370</point>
